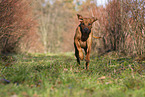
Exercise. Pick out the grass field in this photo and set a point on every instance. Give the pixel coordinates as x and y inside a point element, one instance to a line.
<point>57,75</point>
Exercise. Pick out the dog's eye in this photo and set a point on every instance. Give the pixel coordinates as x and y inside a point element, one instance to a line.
<point>89,24</point>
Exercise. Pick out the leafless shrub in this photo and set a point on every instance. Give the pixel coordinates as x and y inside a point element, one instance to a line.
<point>17,22</point>
<point>121,23</point>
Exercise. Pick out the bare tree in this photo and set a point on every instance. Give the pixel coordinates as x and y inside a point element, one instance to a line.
<point>55,23</point>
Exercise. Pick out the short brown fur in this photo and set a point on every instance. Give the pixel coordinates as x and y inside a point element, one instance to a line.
<point>83,39</point>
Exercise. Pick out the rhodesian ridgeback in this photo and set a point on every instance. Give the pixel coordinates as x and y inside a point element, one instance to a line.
<point>83,39</point>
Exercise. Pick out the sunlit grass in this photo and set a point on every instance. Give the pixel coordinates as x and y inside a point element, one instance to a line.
<point>57,75</point>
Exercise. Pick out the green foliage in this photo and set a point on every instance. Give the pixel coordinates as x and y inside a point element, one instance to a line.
<point>57,75</point>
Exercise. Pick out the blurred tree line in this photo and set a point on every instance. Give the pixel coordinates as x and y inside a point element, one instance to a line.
<point>49,25</point>
<point>56,24</point>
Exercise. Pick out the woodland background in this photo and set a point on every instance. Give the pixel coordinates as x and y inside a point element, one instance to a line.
<point>48,26</point>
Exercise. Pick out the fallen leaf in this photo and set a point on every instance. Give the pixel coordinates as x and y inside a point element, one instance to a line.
<point>35,95</point>
<point>103,77</point>
<point>52,88</point>
<point>32,86</point>
<point>14,95</point>
<point>108,82</point>
<point>25,94</point>
<point>65,69</point>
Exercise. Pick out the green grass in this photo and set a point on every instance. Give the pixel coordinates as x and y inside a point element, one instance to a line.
<point>57,75</point>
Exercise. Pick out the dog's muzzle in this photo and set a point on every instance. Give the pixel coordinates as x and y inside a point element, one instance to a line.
<point>85,34</point>
<point>86,30</point>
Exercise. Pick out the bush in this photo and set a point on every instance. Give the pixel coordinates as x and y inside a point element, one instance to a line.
<point>17,22</point>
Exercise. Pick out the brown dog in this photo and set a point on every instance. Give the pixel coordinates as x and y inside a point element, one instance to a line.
<point>83,39</point>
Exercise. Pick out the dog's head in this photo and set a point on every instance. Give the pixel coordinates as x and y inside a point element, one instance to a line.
<point>85,26</point>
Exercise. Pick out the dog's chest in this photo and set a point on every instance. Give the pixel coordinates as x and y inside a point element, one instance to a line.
<point>84,37</point>
<point>83,44</point>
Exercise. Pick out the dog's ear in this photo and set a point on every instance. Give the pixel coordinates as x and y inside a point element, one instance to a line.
<point>80,17</point>
<point>94,19</point>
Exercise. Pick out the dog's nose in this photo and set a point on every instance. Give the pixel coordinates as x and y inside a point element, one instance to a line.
<point>86,29</point>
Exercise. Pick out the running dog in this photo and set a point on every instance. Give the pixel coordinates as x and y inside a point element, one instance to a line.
<point>83,39</point>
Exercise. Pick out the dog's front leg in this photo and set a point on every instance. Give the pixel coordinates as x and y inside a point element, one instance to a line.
<point>78,47</point>
<point>88,51</point>
<point>87,59</point>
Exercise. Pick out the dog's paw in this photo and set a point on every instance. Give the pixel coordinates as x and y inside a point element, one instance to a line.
<point>81,55</point>
<point>87,60</point>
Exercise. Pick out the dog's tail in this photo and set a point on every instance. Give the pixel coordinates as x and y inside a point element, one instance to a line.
<point>96,37</point>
